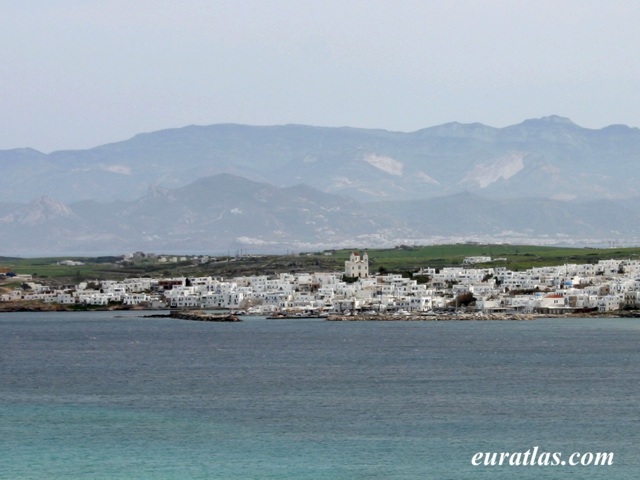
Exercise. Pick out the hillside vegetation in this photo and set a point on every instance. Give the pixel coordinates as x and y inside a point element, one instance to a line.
<point>401,259</point>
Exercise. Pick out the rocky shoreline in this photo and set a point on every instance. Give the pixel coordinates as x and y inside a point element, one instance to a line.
<point>430,318</point>
<point>38,306</point>
<point>477,316</point>
<point>200,315</point>
<point>197,315</point>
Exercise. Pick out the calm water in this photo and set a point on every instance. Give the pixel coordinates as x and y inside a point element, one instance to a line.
<point>96,396</point>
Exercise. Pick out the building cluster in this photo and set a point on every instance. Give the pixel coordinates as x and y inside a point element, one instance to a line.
<point>604,286</point>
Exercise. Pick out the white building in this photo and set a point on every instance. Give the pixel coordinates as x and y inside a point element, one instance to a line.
<point>357,266</point>
<point>471,260</point>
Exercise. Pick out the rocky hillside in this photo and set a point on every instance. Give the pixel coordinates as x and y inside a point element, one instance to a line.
<point>224,211</point>
<point>549,157</point>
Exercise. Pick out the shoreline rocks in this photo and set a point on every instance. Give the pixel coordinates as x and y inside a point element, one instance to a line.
<point>475,317</point>
<point>196,315</point>
<point>39,306</point>
<point>432,318</point>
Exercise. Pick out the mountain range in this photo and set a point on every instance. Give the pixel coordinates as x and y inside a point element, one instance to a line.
<point>220,187</point>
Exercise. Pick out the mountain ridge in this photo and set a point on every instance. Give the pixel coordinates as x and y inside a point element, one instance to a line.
<point>299,187</point>
<point>224,212</point>
<point>556,157</point>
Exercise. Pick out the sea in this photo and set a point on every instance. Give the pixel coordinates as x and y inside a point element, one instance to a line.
<point>115,395</point>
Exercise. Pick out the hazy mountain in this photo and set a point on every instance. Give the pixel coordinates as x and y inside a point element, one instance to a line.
<point>213,213</point>
<point>220,187</point>
<point>224,211</point>
<point>549,157</point>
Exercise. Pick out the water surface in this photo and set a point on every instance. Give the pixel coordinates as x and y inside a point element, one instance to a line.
<point>92,395</point>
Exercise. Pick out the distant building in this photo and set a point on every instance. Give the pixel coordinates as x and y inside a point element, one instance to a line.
<point>471,260</point>
<point>357,266</point>
<point>70,263</point>
<point>170,283</point>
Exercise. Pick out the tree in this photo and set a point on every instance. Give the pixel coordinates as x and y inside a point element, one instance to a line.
<point>422,279</point>
<point>464,300</point>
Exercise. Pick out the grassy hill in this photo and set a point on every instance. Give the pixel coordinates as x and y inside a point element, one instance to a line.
<point>399,259</point>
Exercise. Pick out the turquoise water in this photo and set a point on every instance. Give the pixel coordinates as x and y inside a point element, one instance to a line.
<point>98,396</point>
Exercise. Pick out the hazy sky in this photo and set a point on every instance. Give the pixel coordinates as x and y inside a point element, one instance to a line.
<point>80,73</point>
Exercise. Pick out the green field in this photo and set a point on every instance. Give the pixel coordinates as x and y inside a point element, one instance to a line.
<point>399,259</point>
<point>517,257</point>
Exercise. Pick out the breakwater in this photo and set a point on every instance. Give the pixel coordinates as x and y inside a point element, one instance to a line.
<point>197,315</point>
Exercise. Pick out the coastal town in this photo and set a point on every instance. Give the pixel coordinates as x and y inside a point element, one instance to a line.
<point>605,286</point>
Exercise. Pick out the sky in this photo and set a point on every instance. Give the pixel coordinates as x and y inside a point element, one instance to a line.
<point>76,74</point>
